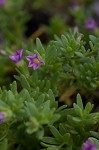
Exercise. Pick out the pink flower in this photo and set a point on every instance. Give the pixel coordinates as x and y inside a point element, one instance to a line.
<point>34,61</point>
<point>17,57</point>
<point>90,24</point>
<point>89,145</point>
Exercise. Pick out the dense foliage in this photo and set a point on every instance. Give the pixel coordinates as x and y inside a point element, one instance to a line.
<point>49,75</point>
<point>32,115</point>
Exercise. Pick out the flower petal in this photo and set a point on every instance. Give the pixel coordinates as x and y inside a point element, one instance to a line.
<point>35,56</point>
<point>41,61</point>
<point>30,64</point>
<point>12,58</point>
<point>2,115</point>
<point>35,66</point>
<point>29,58</point>
<point>89,145</point>
<point>20,54</point>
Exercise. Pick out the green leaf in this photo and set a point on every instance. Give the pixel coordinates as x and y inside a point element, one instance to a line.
<point>25,83</point>
<point>46,107</point>
<point>68,111</point>
<point>55,118</point>
<point>56,133</point>
<point>94,39</point>
<point>78,110</point>
<point>76,120</point>
<point>62,128</point>
<point>88,107</point>
<point>52,99</point>
<point>91,45</point>
<point>95,134</point>
<point>40,100</point>
<point>13,87</point>
<point>4,144</point>
<point>40,47</point>
<point>51,54</point>
<point>32,109</point>
<point>50,140</point>
<point>79,101</point>
<point>10,96</point>
<point>40,134</point>
<point>29,53</point>
<point>61,108</point>
<point>79,54</point>
<point>64,40</point>
<point>58,40</point>
<point>44,144</point>
<point>53,148</point>
<point>66,138</point>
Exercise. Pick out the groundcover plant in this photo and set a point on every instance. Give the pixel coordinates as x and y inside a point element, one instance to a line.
<point>30,117</point>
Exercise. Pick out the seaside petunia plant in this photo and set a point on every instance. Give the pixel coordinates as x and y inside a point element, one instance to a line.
<point>31,114</point>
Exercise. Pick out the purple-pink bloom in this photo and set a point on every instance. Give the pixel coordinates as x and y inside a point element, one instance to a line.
<point>89,145</point>
<point>17,56</point>
<point>2,2</point>
<point>2,115</point>
<point>90,24</point>
<point>34,61</point>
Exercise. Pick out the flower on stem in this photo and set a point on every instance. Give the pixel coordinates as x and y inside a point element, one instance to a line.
<point>89,145</point>
<point>2,116</point>
<point>34,61</point>
<point>17,57</point>
<point>90,24</point>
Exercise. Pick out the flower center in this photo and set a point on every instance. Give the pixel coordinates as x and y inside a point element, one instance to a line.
<point>35,60</point>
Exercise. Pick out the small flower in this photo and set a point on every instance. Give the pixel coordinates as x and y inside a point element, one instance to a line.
<point>34,61</point>
<point>89,145</point>
<point>90,24</point>
<point>74,5</point>
<point>2,116</point>
<point>17,57</point>
<point>2,2</point>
